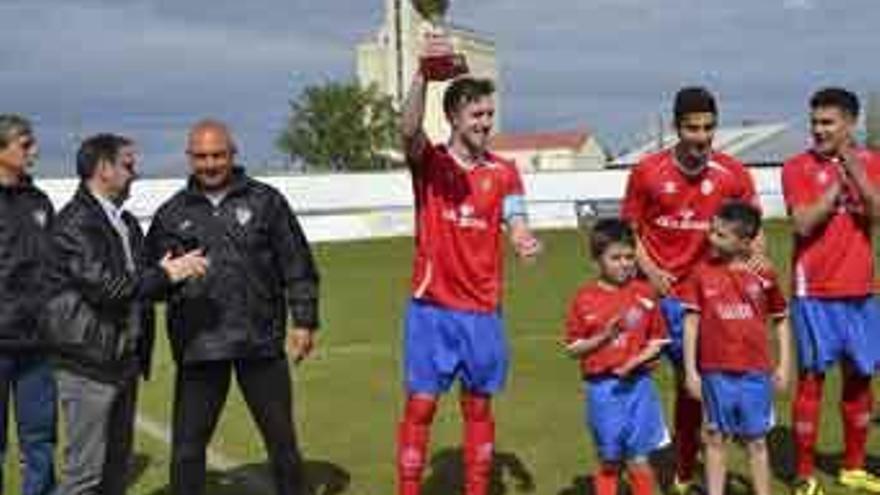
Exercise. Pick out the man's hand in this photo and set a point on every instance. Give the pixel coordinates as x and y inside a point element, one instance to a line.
<point>694,385</point>
<point>526,245</point>
<point>850,163</point>
<point>193,264</point>
<point>300,343</point>
<point>437,44</point>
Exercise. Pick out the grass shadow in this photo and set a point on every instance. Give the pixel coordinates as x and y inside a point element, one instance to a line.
<point>322,478</point>
<point>446,475</point>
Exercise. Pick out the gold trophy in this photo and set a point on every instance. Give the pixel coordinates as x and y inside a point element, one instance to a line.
<point>439,67</point>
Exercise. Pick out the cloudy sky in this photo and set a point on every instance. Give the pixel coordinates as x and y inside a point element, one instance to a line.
<point>148,68</point>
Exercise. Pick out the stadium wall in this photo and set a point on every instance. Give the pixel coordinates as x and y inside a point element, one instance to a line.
<point>336,207</point>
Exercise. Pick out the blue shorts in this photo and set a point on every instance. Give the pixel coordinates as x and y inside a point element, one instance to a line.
<point>624,416</point>
<point>738,404</point>
<point>441,344</point>
<point>829,330</point>
<point>673,313</point>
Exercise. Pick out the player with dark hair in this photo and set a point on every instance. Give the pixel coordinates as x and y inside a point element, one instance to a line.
<point>615,329</point>
<point>832,193</point>
<point>465,198</point>
<point>727,356</point>
<point>671,197</point>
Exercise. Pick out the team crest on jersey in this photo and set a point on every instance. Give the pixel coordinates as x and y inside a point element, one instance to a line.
<point>669,187</point>
<point>243,215</point>
<point>466,210</point>
<point>823,177</point>
<point>633,317</point>
<point>40,217</point>
<point>707,187</point>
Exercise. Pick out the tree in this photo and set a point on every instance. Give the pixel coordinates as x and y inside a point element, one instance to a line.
<point>340,126</point>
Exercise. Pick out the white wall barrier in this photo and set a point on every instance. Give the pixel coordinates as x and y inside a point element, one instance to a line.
<point>336,207</point>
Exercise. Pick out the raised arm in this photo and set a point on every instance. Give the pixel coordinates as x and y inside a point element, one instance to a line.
<point>414,138</point>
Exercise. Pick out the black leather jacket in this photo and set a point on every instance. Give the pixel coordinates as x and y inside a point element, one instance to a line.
<point>25,217</point>
<point>261,271</point>
<point>93,300</point>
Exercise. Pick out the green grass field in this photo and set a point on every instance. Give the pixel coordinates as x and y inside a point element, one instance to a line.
<point>348,395</point>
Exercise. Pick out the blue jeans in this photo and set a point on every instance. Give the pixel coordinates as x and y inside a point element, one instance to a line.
<point>28,380</point>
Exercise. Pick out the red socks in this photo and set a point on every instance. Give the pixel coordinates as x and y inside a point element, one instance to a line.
<point>641,480</point>
<point>806,408</point>
<point>855,410</point>
<point>479,442</point>
<point>605,480</point>
<point>412,442</point>
<point>688,421</point>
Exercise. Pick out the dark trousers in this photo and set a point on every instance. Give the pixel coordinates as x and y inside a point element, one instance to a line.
<point>99,422</point>
<point>28,379</point>
<point>199,395</point>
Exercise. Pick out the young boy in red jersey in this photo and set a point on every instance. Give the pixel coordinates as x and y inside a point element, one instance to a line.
<point>615,329</point>
<point>727,358</point>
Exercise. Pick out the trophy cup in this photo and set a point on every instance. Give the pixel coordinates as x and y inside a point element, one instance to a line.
<point>439,67</point>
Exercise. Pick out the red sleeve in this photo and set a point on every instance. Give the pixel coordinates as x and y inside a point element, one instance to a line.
<point>797,189</point>
<point>689,292</point>
<point>633,206</point>
<point>657,330</point>
<point>577,324</point>
<point>872,167</point>
<point>514,185</point>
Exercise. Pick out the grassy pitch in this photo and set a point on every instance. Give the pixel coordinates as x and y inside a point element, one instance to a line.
<point>348,395</point>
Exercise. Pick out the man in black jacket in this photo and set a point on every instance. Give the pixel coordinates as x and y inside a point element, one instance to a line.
<point>262,275</point>
<point>25,216</point>
<point>99,315</point>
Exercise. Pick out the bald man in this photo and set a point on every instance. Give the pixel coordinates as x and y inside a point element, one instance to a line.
<point>258,300</point>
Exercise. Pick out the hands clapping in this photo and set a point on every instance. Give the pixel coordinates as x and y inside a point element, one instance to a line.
<point>192,264</point>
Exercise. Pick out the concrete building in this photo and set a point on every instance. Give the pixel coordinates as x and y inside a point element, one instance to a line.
<point>538,151</point>
<point>389,58</point>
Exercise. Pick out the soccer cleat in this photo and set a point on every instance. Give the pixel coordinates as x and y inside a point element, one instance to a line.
<point>808,486</point>
<point>680,487</point>
<point>859,479</point>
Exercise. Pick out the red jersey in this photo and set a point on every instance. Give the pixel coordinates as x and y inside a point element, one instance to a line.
<point>595,305</point>
<point>734,305</point>
<point>672,212</point>
<point>459,248</point>
<point>835,260</point>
